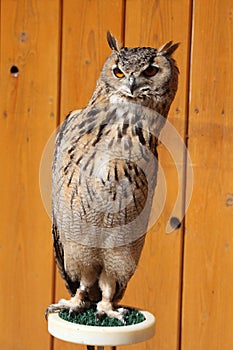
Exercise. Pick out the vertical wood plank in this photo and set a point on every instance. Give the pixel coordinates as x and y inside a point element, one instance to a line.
<point>28,107</point>
<point>85,47</point>
<point>208,273</point>
<point>85,24</point>
<point>156,286</point>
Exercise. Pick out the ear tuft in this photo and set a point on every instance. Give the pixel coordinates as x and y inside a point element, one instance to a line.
<point>168,49</point>
<point>112,42</point>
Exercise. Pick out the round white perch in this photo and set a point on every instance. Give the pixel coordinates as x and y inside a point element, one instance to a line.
<point>102,336</point>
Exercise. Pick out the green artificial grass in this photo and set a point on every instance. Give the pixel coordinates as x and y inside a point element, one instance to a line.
<point>88,317</point>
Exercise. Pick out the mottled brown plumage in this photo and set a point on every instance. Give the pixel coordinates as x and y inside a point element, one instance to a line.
<point>104,175</point>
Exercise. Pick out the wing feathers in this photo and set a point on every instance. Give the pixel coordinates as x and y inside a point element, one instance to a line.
<point>59,256</point>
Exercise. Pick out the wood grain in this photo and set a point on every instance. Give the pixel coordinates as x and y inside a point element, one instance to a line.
<point>156,286</point>
<point>208,263</point>
<point>85,47</point>
<point>59,48</point>
<point>28,108</point>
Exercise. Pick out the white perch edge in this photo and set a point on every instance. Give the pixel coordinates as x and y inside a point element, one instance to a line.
<point>102,336</point>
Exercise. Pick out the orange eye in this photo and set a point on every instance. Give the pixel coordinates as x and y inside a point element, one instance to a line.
<point>150,71</point>
<point>118,73</point>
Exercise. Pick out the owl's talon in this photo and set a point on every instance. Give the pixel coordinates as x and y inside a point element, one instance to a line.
<point>73,305</point>
<point>47,312</point>
<point>105,308</point>
<point>53,308</point>
<point>123,311</point>
<point>71,312</point>
<point>99,316</point>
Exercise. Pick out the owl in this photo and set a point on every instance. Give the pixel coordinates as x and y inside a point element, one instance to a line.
<point>104,175</point>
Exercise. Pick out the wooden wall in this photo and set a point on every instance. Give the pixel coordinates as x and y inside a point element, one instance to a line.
<point>185,278</point>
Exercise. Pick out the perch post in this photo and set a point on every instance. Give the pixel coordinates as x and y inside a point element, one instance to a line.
<point>99,336</point>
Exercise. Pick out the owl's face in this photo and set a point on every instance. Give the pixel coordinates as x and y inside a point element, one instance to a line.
<point>141,73</point>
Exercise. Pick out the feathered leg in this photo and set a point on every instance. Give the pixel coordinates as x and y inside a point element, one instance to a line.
<point>79,301</point>
<point>105,306</point>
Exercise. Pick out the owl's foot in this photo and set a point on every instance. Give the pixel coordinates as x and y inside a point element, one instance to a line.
<point>105,308</point>
<point>75,304</point>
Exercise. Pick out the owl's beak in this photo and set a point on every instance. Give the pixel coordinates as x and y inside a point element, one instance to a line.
<point>132,84</point>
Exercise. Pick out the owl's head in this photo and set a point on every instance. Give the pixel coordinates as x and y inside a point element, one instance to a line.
<point>142,73</point>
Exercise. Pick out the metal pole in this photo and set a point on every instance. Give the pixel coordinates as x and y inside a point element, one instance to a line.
<point>90,347</point>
